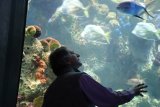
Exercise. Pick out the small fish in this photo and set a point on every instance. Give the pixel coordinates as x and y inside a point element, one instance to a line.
<point>135,81</point>
<point>147,31</point>
<point>95,34</point>
<point>72,7</point>
<point>133,8</point>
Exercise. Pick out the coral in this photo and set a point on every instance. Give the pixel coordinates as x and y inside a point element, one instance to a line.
<point>37,102</point>
<point>40,70</point>
<point>102,8</point>
<point>35,73</point>
<point>111,15</point>
<point>146,101</point>
<point>31,43</point>
<point>114,22</point>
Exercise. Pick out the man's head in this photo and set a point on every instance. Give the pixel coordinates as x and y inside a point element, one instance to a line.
<point>63,58</point>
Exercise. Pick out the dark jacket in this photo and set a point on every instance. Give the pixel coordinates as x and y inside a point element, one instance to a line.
<point>65,91</point>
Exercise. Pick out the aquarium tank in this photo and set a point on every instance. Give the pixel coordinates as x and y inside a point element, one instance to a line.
<point>118,42</point>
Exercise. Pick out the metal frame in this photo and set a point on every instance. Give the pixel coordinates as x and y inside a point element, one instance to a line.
<point>13,20</point>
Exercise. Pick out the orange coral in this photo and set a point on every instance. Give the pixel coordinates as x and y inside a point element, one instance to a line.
<point>40,71</point>
<point>42,64</point>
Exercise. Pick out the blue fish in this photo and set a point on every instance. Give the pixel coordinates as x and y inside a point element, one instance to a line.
<point>133,8</point>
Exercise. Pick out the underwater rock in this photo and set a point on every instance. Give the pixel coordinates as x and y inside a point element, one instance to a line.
<point>32,46</point>
<point>141,49</point>
<point>156,61</point>
<point>35,73</point>
<point>143,40</point>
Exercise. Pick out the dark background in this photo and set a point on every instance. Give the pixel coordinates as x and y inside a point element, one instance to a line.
<point>12,19</point>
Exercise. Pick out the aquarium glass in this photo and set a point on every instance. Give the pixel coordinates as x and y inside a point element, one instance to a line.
<point>118,43</point>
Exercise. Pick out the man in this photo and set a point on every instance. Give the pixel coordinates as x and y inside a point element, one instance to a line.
<point>73,88</point>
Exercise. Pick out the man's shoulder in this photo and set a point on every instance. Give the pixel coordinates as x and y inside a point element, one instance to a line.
<point>76,73</point>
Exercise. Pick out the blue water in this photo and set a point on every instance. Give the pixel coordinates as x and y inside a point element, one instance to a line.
<point>109,51</point>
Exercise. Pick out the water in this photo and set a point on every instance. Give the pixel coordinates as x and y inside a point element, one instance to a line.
<point>110,52</point>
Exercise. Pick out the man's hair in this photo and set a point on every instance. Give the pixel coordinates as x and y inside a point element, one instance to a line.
<point>57,60</point>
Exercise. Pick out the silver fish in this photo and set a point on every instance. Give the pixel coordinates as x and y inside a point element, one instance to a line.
<point>133,8</point>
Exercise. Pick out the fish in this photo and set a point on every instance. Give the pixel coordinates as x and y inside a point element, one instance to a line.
<point>147,31</point>
<point>135,81</point>
<point>72,7</point>
<point>134,8</point>
<point>95,34</point>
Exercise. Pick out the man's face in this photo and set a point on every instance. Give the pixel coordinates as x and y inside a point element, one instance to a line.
<point>73,59</point>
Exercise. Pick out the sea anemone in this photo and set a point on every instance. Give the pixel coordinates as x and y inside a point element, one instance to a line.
<point>50,44</point>
<point>30,30</point>
<point>38,32</point>
<point>33,31</point>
